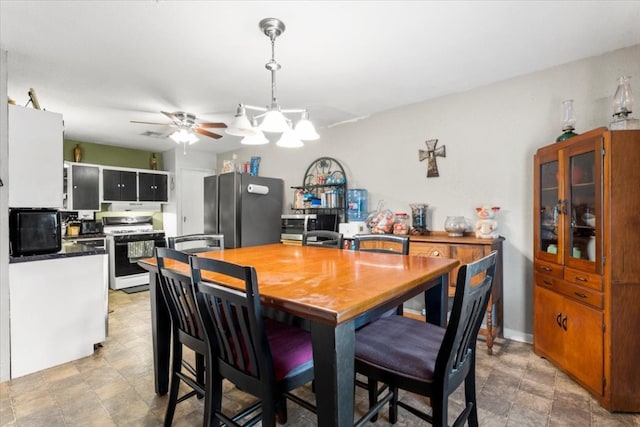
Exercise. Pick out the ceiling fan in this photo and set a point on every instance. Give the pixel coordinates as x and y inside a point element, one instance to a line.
<point>187,122</point>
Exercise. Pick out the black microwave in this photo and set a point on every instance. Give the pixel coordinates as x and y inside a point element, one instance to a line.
<point>293,226</point>
<point>34,231</point>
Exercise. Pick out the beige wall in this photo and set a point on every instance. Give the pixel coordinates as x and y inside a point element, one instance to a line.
<point>490,134</point>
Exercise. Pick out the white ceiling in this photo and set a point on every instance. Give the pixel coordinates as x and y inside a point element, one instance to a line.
<point>104,63</point>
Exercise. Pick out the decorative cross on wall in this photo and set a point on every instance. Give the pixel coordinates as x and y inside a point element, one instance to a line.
<point>430,154</point>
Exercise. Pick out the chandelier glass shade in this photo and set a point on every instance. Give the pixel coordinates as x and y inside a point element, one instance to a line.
<point>272,119</point>
<point>257,139</point>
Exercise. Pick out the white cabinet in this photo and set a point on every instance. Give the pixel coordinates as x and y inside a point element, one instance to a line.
<point>58,310</point>
<point>35,156</point>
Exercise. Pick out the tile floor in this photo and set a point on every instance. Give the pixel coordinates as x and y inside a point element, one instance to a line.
<point>114,387</point>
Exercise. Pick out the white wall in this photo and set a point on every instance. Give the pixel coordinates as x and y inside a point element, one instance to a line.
<point>490,134</point>
<point>4,224</point>
<point>176,161</point>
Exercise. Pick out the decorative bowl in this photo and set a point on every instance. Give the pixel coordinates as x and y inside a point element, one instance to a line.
<point>455,226</point>
<point>589,219</point>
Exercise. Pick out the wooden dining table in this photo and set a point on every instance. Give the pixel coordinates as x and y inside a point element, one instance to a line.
<point>333,291</point>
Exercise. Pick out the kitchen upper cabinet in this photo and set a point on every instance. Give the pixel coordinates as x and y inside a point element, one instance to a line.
<point>82,187</point>
<point>35,156</point>
<point>587,262</point>
<point>152,187</point>
<point>119,185</point>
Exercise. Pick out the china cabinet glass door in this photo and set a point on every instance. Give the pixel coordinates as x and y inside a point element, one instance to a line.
<point>549,243</point>
<point>583,205</point>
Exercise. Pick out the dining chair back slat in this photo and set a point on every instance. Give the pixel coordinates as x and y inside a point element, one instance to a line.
<point>323,238</point>
<point>195,243</point>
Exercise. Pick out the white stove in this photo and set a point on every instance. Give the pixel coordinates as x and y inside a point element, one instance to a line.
<point>130,239</point>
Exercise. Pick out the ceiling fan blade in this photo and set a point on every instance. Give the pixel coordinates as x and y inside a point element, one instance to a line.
<point>171,116</point>
<point>151,123</point>
<point>207,133</point>
<point>212,125</point>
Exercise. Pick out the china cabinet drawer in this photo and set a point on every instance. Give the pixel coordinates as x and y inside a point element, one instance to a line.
<point>546,281</point>
<point>548,268</point>
<point>593,281</point>
<point>582,294</point>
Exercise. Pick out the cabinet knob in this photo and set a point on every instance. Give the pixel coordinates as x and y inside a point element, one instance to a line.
<point>436,253</point>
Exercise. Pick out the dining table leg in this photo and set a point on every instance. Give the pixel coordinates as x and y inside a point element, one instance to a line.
<point>333,359</point>
<point>436,301</point>
<point>161,335</point>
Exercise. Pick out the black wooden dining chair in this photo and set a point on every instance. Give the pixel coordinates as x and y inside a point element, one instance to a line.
<point>194,243</point>
<point>426,359</point>
<point>323,238</point>
<point>383,243</point>
<point>259,356</point>
<point>187,331</point>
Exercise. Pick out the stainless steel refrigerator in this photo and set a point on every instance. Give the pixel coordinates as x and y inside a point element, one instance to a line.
<point>245,209</point>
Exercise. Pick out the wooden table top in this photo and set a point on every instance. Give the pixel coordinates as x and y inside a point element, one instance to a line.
<point>328,285</point>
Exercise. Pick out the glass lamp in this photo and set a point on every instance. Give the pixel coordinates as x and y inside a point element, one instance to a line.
<point>274,121</point>
<point>623,106</point>
<point>568,121</point>
<point>240,126</point>
<point>305,130</point>
<point>289,139</point>
<point>183,136</point>
<point>257,139</point>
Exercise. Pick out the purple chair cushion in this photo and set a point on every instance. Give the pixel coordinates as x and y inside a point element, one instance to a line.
<point>404,346</point>
<point>290,348</point>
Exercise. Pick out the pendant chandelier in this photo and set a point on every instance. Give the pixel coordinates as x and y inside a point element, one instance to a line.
<point>272,118</point>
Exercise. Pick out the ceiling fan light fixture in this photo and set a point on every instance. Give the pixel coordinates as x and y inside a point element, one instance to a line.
<point>305,129</point>
<point>289,139</point>
<point>183,136</point>
<point>257,139</point>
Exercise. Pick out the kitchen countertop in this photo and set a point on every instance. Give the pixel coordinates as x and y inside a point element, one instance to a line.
<point>69,249</point>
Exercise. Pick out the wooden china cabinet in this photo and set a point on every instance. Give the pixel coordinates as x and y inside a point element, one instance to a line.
<point>587,262</point>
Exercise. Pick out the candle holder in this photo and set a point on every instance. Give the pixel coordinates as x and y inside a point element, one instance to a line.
<point>568,121</point>
<point>623,106</point>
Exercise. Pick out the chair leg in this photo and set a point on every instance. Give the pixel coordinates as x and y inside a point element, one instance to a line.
<point>268,412</point>
<point>393,406</point>
<point>372,388</point>
<point>213,398</point>
<point>281,410</point>
<point>200,371</point>
<point>470,396</point>
<point>439,405</point>
<point>175,384</point>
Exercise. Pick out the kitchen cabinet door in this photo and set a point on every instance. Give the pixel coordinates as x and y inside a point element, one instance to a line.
<point>152,187</point>
<point>35,158</point>
<point>119,185</point>
<point>85,187</point>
